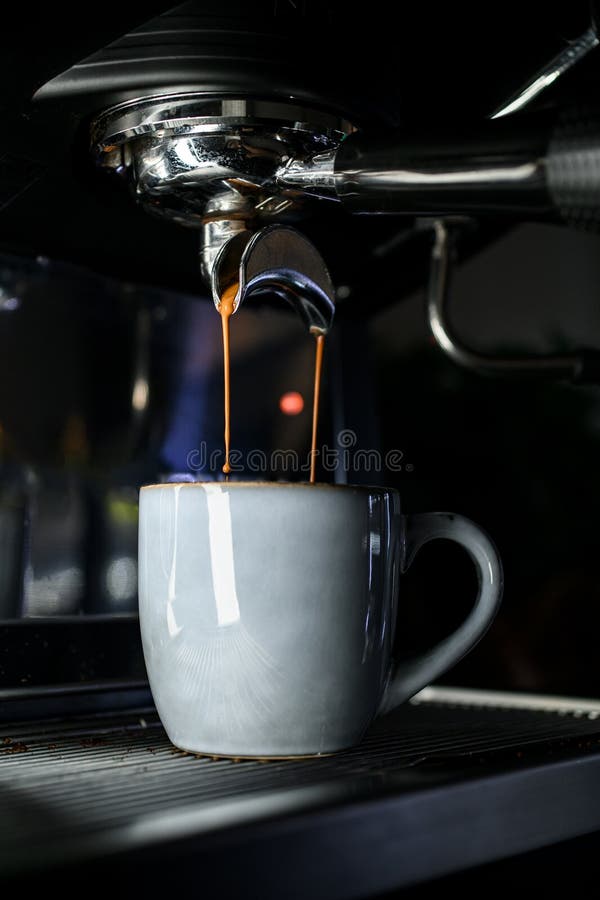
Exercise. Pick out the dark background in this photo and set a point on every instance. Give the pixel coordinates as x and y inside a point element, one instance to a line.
<point>519,457</point>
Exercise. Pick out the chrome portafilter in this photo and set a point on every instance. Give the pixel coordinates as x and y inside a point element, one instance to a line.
<point>215,165</point>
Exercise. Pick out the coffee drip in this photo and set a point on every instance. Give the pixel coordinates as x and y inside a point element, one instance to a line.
<point>320,346</point>
<point>226,308</point>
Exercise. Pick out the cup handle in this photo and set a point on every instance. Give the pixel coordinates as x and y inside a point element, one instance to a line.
<point>407,678</point>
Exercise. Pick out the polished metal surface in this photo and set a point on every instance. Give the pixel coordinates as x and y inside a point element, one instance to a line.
<point>196,113</point>
<point>482,699</point>
<point>230,166</point>
<point>314,175</point>
<point>554,69</point>
<point>538,167</point>
<point>279,261</point>
<point>493,170</point>
<point>221,246</point>
<point>204,148</point>
<point>577,366</point>
<point>212,163</point>
<point>396,181</point>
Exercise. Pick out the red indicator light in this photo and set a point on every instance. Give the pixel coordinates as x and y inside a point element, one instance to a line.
<point>291,403</point>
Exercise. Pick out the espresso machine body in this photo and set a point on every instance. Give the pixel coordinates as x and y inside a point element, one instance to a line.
<point>423,190</point>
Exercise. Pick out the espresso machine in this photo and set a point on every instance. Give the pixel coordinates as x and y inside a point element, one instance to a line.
<point>339,172</point>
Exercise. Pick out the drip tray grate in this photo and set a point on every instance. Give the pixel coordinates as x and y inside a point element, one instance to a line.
<point>85,787</point>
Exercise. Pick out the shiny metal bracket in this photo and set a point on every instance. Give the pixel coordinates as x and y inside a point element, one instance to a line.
<point>579,366</point>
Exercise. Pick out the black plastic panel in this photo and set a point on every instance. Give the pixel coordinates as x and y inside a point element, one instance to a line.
<point>258,50</point>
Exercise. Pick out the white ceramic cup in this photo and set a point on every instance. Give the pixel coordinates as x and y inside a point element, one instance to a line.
<point>268,611</point>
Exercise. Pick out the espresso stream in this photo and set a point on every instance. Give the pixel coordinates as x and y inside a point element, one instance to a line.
<point>315,416</point>
<point>226,311</point>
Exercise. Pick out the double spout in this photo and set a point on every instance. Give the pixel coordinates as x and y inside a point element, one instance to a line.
<point>275,261</point>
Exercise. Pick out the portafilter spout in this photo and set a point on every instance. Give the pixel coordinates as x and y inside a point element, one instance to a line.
<point>278,261</point>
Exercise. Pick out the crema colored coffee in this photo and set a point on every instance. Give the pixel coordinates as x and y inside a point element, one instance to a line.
<point>320,338</point>
<point>226,311</point>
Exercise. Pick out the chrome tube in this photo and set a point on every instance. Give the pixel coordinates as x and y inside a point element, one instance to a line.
<point>580,366</point>
<point>499,168</point>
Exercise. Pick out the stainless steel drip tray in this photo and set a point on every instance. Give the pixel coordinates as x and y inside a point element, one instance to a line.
<point>454,779</point>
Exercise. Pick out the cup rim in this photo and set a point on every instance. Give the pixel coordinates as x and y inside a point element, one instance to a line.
<point>270,484</point>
